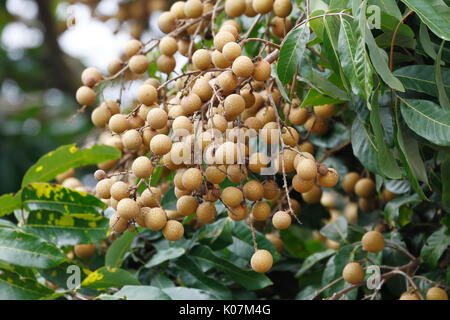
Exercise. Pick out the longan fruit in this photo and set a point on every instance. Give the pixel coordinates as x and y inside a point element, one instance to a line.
<point>138,64</point>
<point>317,125</point>
<point>231,29</point>
<point>436,293</point>
<point>409,295</point>
<point>166,64</point>
<point>167,22</point>
<point>131,139</point>
<point>237,173</point>
<point>234,8</point>
<point>234,104</point>
<point>115,66</point>
<point>177,179</point>
<point>70,173</point>
<point>249,11</point>
<point>232,196</point>
<point>276,241</point>
<point>365,188</point>
<point>353,273</point>
<point>135,122</point>
<point>298,116</point>
<point>253,190</point>
<point>117,224</point>
<point>173,230</point>
<point>257,161</point>
<point>160,144</point>
<point>271,189</point>
<point>373,241</point>
<point>351,212</point>
<point>306,147</point>
<point>238,213</point>
<point>366,204</point>
<point>226,153</point>
<point>325,111</point>
<point>118,123</point>
<point>261,211</point>
<point>151,198</point>
<point>281,220</point>
<point>132,47</point>
<point>177,9</point>
<point>182,125</point>
<point>85,96</point>
<point>282,8</point>
<point>147,94</point>
<point>103,188</point>
<point>202,89</point>
<point>186,205</point>
<point>219,60</point>
<point>193,8</point>
<point>157,118</point>
<point>330,179</point>
<point>85,251</point>
<point>387,195</point>
<point>261,260</point>
<point>306,168</point>
<point>289,157</point>
<point>142,167</point>
<point>216,174</point>
<point>219,122</point>
<point>179,193</point>
<point>168,46</point>
<point>192,179</point>
<point>119,190</point>
<point>301,185</point>
<point>262,6</point>
<point>228,81</point>
<point>222,38</point>
<point>206,212</point>
<point>191,103</point>
<point>290,136</point>
<point>243,67</point>
<point>231,51</point>
<point>332,244</point>
<point>349,182</point>
<point>201,59</point>
<point>127,209</point>
<point>91,76</point>
<point>313,195</point>
<point>100,116</point>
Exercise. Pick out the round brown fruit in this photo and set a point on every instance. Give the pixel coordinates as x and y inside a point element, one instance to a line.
<point>353,273</point>
<point>261,261</point>
<point>281,220</point>
<point>84,251</point>
<point>373,241</point>
<point>173,230</point>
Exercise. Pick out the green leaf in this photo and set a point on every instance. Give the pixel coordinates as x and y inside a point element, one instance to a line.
<point>217,235</point>
<point>364,147</point>
<point>10,202</point>
<point>315,98</point>
<point>388,6</point>
<point>435,246</point>
<point>116,252</point>
<point>107,277</point>
<point>391,210</point>
<point>165,255</point>
<point>65,158</point>
<point>427,120</point>
<point>169,200</point>
<point>425,41</point>
<point>246,278</point>
<point>14,287</point>
<point>180,293</point>
<point>291,52</point>
<point>141,293</point>
<point>27,250</point>
<point>337,230</point>
<point>312,260</point>
<point>445,177</point>
<point>434,13</point>
<point>44,196</point>
<point>421,78</point>
<point>443,99</point>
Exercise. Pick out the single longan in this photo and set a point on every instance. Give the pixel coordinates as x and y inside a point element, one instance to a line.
<point>290,136</point>
<point>298,116</point>
<point>436,293</point>
<point>262,70</point>
<point>253,190</point>
<point>231,51</point>
<point>216,174</point>
<point>228,81</point>
<point>156,219</point>
<point>282,8</point>
<point>178,9</point>
<point>232,196</point>
<point>167,22</point>
<point>330,179</point>
<point>365,188</point>
<point>192,179</point>
<point>85,251</point>
<point>262,6</point>
<point>91,76</point>
<point>139,64</point>
<point>261,211</point>
<point>193,8</point>
<point>173,230</point>
<point>271,189</point>
<point>222,38</point>
<point>151,198</point>
<point>257,161</point>
<point>349,182</point>
<point>85,96</point>
<point>118,123</point>
<point>373,241</point>
<point>202,89</point>
<point>201,59</point>
<point>306,169</point>
<point>219,60</point>
<point>168,46</point>
<point>281,220</point>
<point>127,209</point>
<point>231,29</point>
<point>243,67</point>
<point>166,64</point>
<point>157,118</point>
<point>160,144</point>
<point>147,94</point>
<point>132,47</point>
<point>234,104</point>
<point>409,295</point>
<point>100,116</point>
<point>387,195</point>
<point>237,173</point>
<point>312,196</point>
<point>117,224</point>
<point>276,241</point>
<point>182,126</point>
<point>191,103</point>
<point>131,139</point>
<point>301,185</point>
<point>249,11</point>
<point>142,167</point>
<point>238,213</point>
<point>103,188</point>
<point>261,260</point>
<point>325,111</point>
<point>206,212</point>
<point>235,8</point>
<point>353,273</point>
<point>119,190</point>
<point>317,125</point>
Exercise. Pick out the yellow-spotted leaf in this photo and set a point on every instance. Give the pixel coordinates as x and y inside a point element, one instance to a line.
<point>107,277</point>
<point>14,287</point>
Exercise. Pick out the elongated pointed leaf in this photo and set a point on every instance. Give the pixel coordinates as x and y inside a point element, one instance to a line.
<point>425,41</point>
<point>421,78</point>
<point>312,260</point>
<point>118,249</point>
<point>364,147</point>
<point>337,230</point>
<point>141,293</point>
<point>443,98</point>
<point>65,158</point>
<point>388,6</point>
<point>107,277</point>
<point>10,202</point>
<point>435,246</point>
<point>14,287</point>
<point>427,119</point>
<point>165,255</point>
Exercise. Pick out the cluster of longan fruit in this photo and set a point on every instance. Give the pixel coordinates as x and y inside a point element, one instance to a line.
<point>219,103</point>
